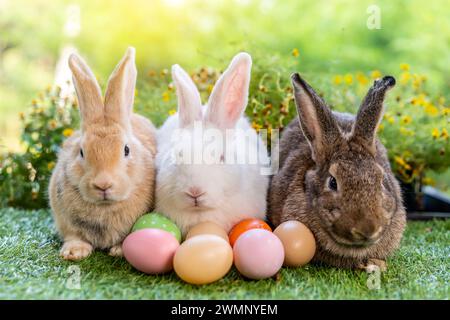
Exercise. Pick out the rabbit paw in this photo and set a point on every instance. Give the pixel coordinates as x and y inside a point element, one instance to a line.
<point>370,264</point>
<point>75,250</point>
<point>116,251</point>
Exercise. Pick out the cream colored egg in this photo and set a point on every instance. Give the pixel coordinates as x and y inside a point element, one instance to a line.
<point>203,259</point>
<point>298,242</point>
<point>207,227</point>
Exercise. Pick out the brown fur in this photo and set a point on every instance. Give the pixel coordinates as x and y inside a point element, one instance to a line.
<point>363,221</point>
<point>83,218</point>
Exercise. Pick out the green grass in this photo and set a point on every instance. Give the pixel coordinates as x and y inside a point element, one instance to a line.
<point>31,269</point>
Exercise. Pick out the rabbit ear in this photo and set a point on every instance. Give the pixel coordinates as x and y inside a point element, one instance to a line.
<point>88,91</point>
<point>371,111</point>
<point>119,96</point>
<point>189,101</point>
<point>316,119</point>
<point>230,94</point>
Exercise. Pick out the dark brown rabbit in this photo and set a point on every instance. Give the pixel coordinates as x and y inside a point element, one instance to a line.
<point>334,176</point>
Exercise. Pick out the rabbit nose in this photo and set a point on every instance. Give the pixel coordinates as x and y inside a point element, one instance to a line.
<point>194,192</point>
<point>366,234</point>
<point>103,185</point>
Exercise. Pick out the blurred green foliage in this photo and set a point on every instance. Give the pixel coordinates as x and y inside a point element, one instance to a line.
<point>414,128</point>
<point>331,36</point>
<point>327,41</point>
<point>24,176</point>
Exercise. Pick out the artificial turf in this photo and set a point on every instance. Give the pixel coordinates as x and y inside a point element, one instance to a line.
<point>30,268</point>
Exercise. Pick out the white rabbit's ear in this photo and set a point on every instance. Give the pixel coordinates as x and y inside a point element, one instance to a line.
<point>229,97</point>
<point>119,96</point>
<point>189,101</point>
<point>88,91</point>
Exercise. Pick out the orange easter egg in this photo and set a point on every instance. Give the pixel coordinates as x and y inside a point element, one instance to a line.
<point>246,225</point>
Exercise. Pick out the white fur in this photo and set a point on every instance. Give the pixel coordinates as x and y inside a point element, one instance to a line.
<point>232,191</point>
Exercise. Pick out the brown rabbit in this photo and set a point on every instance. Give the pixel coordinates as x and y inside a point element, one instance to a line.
<point>334,176</point>
<point>104,178</point>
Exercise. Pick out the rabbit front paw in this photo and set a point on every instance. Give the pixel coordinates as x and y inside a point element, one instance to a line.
<point>372,263</point>
<point>116,251</point>
<point>75,250</point>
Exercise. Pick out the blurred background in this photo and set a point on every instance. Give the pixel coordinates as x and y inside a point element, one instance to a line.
<point>330,36</point>
<point>339,46</point>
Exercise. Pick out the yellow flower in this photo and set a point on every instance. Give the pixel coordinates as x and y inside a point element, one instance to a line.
<point>446,111</point>
<point>375,74</point>
<point>50,165</point>
<point>435,133</point>
<point>441,100</point>
<point>361,78</point>
<point>256,126</point>
<point>389,118</point>
<point>295,52</point>
<point>419,100</point>
<point>67,132</point>
<point>431,109</point>
<point>380,127</point>
<point>406,132</point>
<point>38,110</point>
<point>405,77</point>
<point>348,78</point>
<point>417,81</point>
<point>406,119</point>
<point>52,124</point>
<point>22,116</point>
<point>444,133</point>
<point>404,66</point>
<point>172,112</point>
<point>337,79</point>
<point>402,162</point>
<point>151,73</point>
<point>166,96</point>
<point>164,72</point>
<point>428,181</point>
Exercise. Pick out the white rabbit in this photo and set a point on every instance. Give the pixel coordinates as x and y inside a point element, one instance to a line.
<point>223,191</point>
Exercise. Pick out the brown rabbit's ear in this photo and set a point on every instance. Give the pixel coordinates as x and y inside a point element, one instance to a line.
<point>119,96</point>
<point>88,91</point>
<point>316,119</point>
<point>371,111</point>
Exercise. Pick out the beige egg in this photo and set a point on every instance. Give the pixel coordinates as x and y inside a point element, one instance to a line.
<point>207,227</point>
<point>203,259</point>
<point>298,242</point>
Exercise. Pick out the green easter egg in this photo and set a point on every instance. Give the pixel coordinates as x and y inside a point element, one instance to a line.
<point>157,221</point>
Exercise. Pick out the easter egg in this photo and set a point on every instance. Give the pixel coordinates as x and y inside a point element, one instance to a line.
<point>157,221</point>
<point>298,242</point>
<point>150,250</point>
<point>258,254</point>
<point>244,226</point>
<point>203,259</point>
<point>207,227</point>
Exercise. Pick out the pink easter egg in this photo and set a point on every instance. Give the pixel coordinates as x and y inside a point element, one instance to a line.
<point>150,250</point>
<point>258,254</point>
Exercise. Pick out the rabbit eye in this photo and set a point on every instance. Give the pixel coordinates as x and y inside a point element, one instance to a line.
<point>127,151</point>
<point>332,184</point>
<point>81,153</point>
